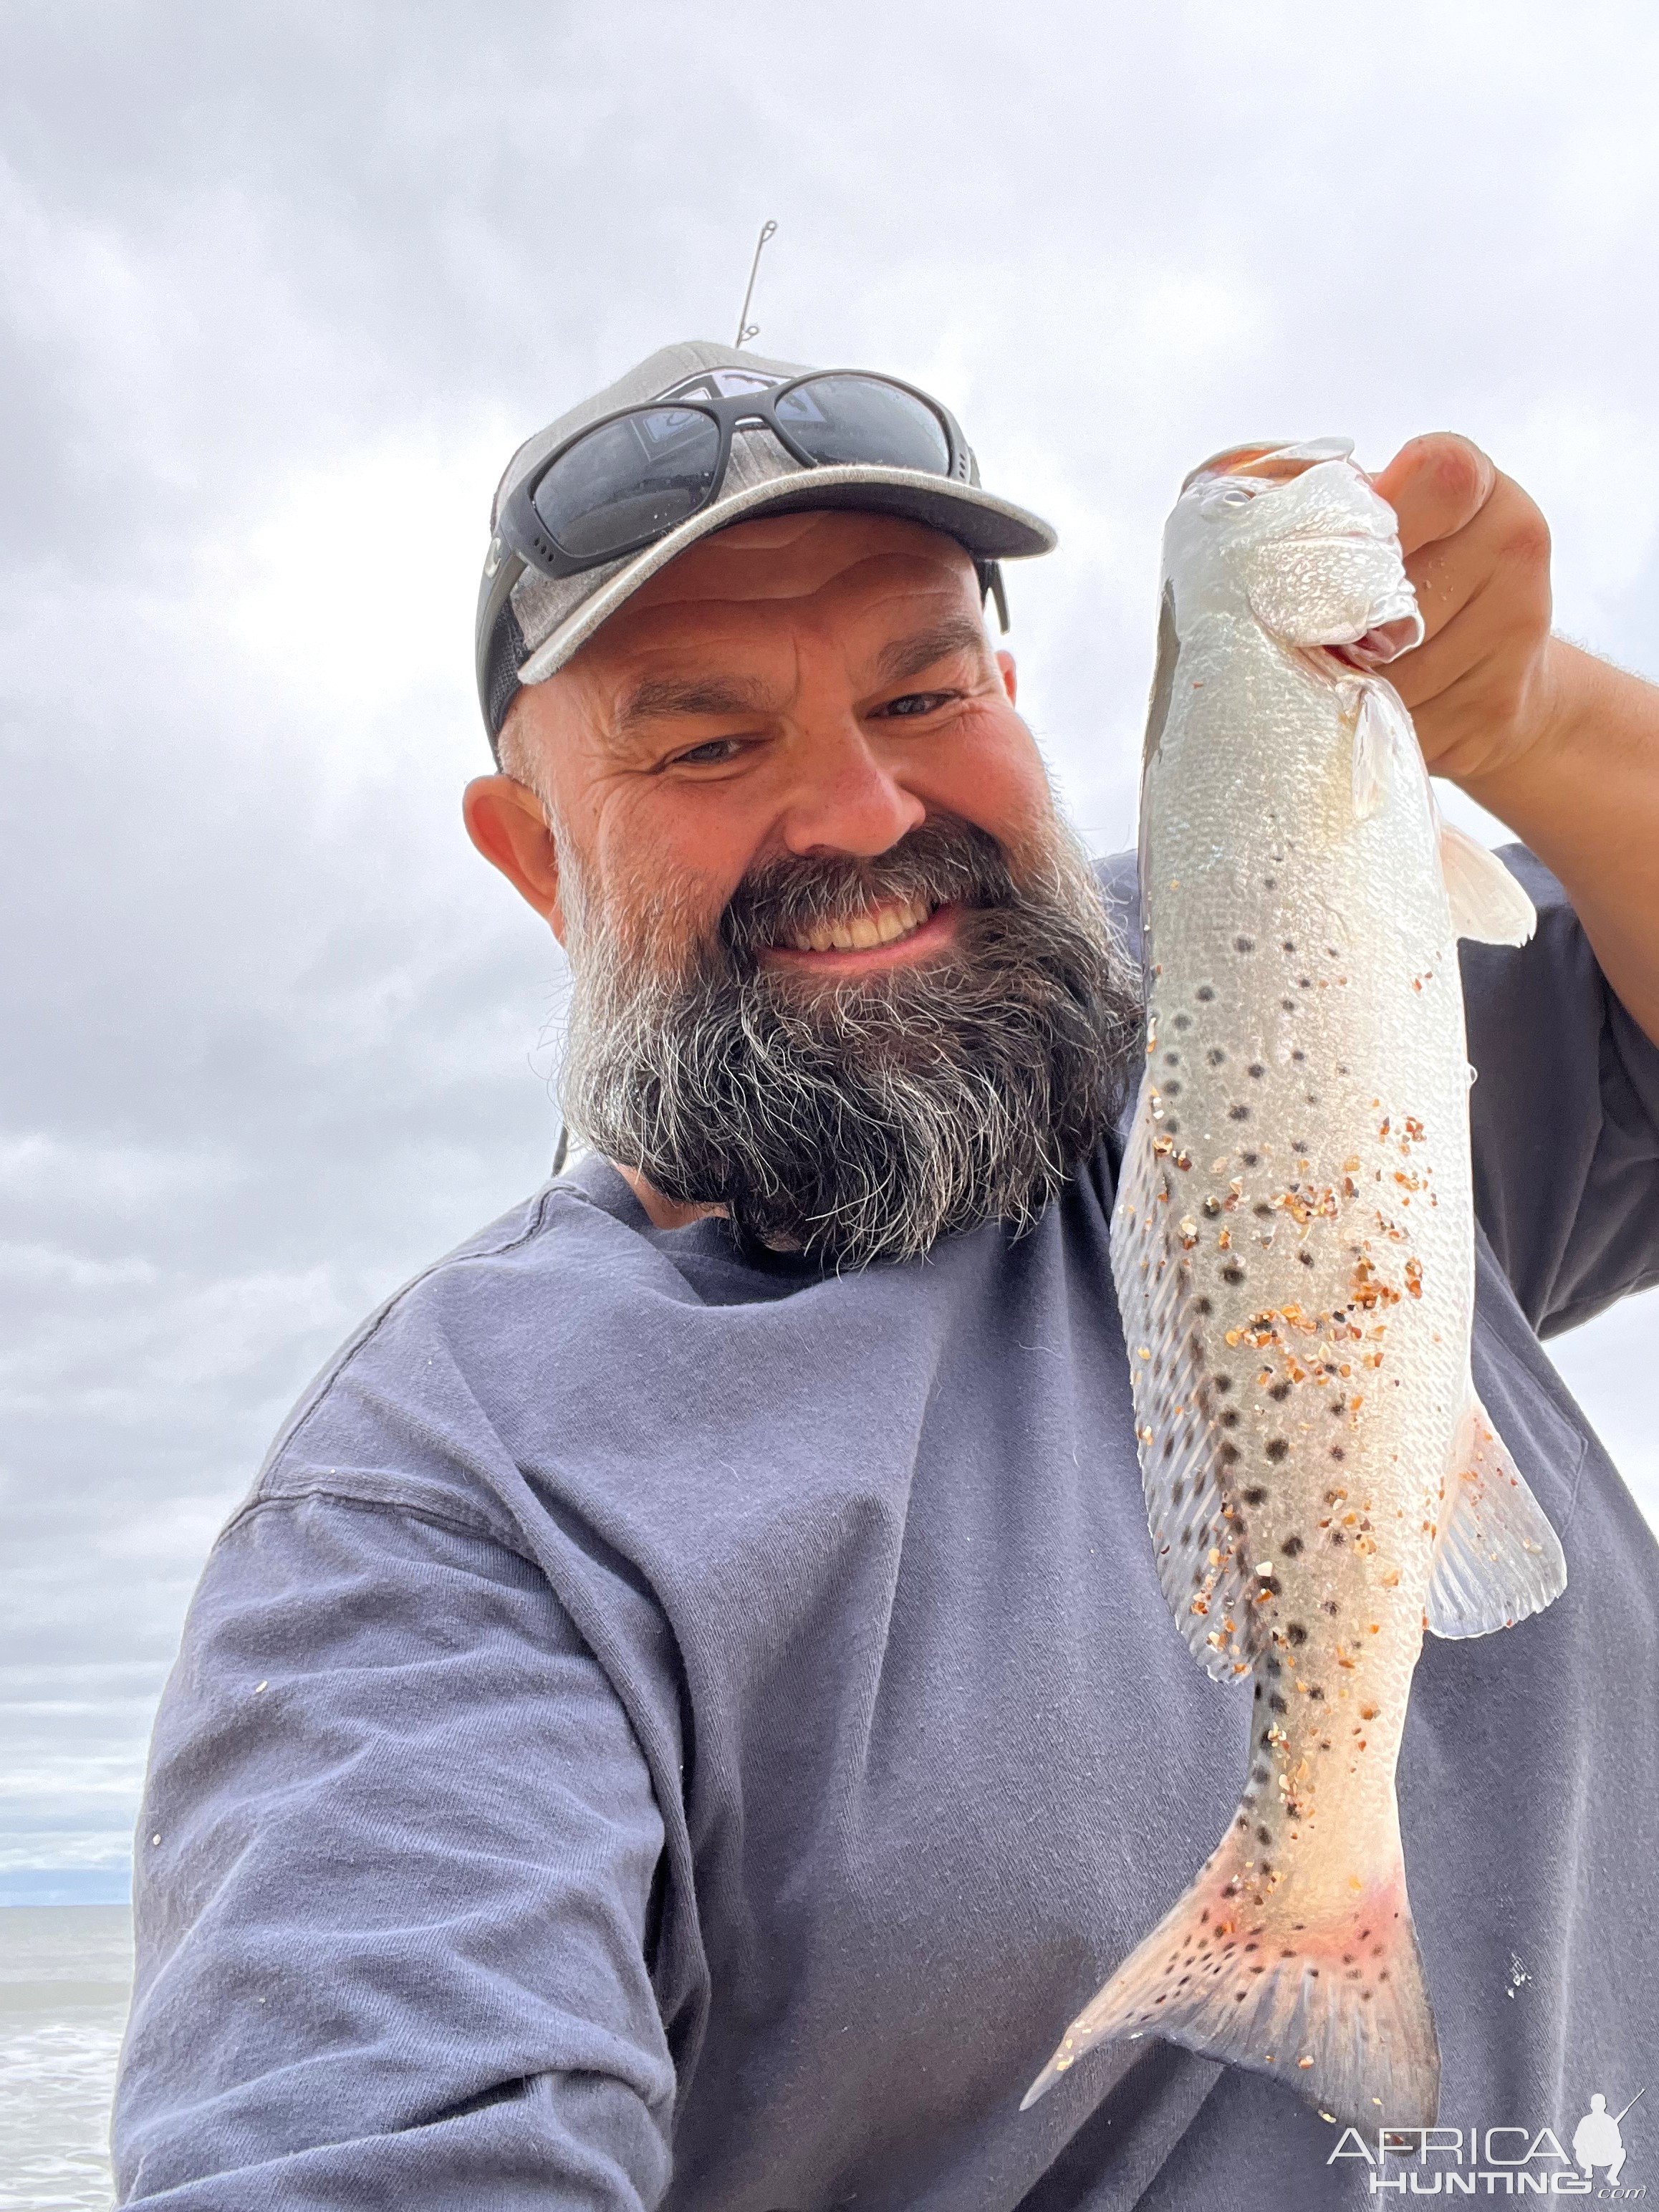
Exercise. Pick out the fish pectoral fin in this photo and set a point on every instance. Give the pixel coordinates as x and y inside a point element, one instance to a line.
<point>1497,1558</point>
<point>1204,1578</point>
<point>1333,2003</point>
<point>1486,903</point>
<point>1382,727</point>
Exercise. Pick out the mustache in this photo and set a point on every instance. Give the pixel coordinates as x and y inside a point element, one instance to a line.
<point>943,861</point>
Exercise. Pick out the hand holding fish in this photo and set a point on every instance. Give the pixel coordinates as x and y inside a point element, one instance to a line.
<point>1561,746</point>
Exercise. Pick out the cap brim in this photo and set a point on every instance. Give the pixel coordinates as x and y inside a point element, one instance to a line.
<point>989,528</point>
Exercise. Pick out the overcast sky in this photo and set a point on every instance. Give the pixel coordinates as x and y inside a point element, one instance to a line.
<point>281,287</point>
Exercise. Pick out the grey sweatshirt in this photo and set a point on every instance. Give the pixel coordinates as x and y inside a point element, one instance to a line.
<point>672,1728</point>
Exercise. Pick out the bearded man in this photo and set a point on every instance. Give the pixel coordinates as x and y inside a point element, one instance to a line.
<point>688,1711</point>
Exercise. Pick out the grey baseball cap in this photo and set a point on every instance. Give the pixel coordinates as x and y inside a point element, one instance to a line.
<point>529,623</point>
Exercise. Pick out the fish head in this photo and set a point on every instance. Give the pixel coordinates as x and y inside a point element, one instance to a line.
<point>1296,535</point>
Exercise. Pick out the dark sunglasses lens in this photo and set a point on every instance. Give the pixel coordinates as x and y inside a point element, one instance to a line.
<point>629,481</point>
<point>837,419</point>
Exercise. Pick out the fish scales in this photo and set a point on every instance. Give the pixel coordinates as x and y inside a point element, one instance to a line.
<point>1294,1250</point>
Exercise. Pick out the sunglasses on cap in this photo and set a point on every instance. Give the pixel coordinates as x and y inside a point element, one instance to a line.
<point>627,480</point>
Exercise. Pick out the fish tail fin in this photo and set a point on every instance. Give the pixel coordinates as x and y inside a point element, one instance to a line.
<point>1321,1988</point>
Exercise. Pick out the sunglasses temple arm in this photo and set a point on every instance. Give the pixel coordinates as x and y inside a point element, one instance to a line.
<point>991,585</point>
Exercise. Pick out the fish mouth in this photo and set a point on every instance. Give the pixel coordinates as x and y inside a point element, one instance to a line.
<point>1383,642</point>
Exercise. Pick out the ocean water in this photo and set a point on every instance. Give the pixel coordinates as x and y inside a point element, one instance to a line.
<point>65,1973</point>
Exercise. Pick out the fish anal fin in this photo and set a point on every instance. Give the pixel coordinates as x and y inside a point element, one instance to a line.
<point>1488,903</point>
<point>1203,1577</point>
<point>1497,1558</point>
<point>1331,2001</point>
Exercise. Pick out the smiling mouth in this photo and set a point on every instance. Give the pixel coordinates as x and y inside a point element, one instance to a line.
<point>889,924</point>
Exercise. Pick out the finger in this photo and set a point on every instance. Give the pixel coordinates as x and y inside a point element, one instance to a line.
<point>1443,661</point>
<point>1435,485</point>
<point>1508,538</point>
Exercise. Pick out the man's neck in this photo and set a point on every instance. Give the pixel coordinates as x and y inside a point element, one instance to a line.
<point>664,1213</point>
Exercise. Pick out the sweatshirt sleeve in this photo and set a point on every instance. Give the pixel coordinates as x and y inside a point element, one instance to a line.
<point>1564,1116</point>
<point>395,1875</point>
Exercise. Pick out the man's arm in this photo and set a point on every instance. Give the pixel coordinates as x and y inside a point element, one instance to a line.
<point>1561,746</point>
<point>394,1888</point>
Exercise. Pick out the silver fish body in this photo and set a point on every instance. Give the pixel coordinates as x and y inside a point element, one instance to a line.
<point>1293,1249</point>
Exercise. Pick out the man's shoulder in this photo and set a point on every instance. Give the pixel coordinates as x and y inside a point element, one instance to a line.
<point>408,1411</point>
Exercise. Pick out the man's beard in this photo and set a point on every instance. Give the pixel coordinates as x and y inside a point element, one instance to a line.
<point>862,1119</point>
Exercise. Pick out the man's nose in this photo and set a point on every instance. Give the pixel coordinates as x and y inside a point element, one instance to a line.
<point>846,797</point>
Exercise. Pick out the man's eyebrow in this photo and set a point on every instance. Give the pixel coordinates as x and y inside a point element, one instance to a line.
<point>659,696</point>
<point>908,656</point>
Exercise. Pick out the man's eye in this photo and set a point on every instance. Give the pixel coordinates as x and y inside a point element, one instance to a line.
<point>917,703</point>
<point>710,755</point>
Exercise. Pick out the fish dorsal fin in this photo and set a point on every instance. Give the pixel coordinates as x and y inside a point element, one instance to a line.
<point>1186,1502</point>
<point>1486,903</point>
<point>1497,1558</point>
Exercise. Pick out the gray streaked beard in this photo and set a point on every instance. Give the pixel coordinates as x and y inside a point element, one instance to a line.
<point>859,1121</point>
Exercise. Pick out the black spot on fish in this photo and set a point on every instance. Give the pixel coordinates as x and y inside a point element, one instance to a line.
<point>1316,1692</point>
<point>1255,1068</point>
<point>1172,1060</point>
<point>1201,1306</point>
<point>1297,1632</point>
<point>1290,1547</point>
<point>1249,1158</point>
<point>1298,1144</point>
<point>1172,1090</point>
<point>1171,1125</point>
<point>1298,1055</point>
<point>1338,1538</point>
<point>1280,1391</point>
<point>1232,1272</point>
<point>1215,1055</point>
<point>1290,944</point>
<point>1270,883</point>
<point>1262,1836</point>
<point>1276,1705</point>
<point>1240,1113</point>
<point>1243,945</point>
<point>1204,993</point>
<point>1229,1454</point>
<point>1183,1021</point>
<point>1177,1488</point>
<point>1304,982</point>
<point>1255,1497</point>
<point>1329,1605</point>
<point>1262,1210</point>
<point>1276,1447</point>
<point>1270,1584</point>
<point>1306,1259</point>
<point>1223,1384</point>
<point>1337,1452</point>
<point>1274,1666</point>
<point>1289,1004</point>
<point>1258,1689</point>
<point>1230,1419</point>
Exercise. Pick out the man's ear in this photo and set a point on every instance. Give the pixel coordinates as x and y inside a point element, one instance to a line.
<point>1010,677</point>
<point>505,821</point>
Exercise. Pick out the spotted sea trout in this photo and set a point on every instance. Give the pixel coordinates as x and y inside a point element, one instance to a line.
<point>1293,1246</point>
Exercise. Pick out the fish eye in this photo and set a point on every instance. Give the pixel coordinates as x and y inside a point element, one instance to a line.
<point>1225,497</point>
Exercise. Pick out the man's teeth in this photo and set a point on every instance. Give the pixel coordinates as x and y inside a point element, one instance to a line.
<point>878,925</point>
